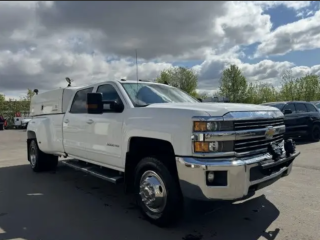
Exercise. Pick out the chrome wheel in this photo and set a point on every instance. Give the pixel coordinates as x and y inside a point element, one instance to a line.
<point>153,193</point>
<point>33,155</point>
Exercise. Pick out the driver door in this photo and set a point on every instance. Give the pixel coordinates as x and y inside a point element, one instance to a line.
<point>105,131</point>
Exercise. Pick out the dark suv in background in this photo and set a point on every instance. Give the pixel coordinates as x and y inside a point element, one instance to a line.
<point>302,119</point>
<point>316,103</point>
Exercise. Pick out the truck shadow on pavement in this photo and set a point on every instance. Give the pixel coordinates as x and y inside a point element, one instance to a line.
<point>69,205</point>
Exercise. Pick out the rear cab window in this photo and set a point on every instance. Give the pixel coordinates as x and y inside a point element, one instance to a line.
<point>79,103</point>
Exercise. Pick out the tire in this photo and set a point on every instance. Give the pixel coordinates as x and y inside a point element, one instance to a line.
<point>39,160</point>
<point>152,171</point>
<point>315,133</point>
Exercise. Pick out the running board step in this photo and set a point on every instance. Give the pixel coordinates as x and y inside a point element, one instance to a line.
<point>94,170</point>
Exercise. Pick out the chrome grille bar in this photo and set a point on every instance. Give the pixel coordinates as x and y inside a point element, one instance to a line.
<point>259,123</point>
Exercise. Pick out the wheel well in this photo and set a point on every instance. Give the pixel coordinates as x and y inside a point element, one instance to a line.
<point>140,147</point>
<point>31,135</point>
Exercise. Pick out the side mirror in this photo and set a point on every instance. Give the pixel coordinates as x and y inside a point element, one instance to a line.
<point>95,104</point>
<point>200,99</point>
<point>287,111</point>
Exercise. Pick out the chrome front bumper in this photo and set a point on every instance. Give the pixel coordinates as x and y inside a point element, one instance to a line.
<point>239,174</point>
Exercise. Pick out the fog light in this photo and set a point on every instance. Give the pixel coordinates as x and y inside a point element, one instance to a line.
<point>210,177</point>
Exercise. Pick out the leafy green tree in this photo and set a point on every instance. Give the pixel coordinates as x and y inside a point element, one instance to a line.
<point>233,84</point>
<point>289,86</point>
<point>180,77</point>
<point>251,94</point>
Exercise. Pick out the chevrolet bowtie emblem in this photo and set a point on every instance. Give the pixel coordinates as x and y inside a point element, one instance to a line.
<point>270,132</point>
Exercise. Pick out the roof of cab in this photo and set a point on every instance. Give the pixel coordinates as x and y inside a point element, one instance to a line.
<point>121,81</point>
<point>76,88</point>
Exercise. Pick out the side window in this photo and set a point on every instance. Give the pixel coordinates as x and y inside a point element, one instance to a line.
<point>301,108</point>
<point>290,106</point>
<point>109,93</point>
<point>311,108</point>
<point>79,104</point>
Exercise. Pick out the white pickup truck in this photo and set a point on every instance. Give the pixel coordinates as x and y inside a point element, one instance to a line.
<point>161,143</point>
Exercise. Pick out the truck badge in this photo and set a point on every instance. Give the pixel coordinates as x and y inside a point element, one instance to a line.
<point>270,132</point>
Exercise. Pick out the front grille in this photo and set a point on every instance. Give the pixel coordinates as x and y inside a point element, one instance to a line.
<point>258,144</point>
<point>256,124</point>
<point>255,144</point>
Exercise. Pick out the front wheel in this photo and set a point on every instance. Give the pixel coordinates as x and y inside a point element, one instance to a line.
<point>157,192</point>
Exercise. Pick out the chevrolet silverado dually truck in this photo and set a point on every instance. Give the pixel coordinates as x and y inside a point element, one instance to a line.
<point>162,144</point>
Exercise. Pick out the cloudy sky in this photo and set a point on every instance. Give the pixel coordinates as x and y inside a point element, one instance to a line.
<point>41,43</point>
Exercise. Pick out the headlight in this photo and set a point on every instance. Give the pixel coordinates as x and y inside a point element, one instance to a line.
<point>212,126</point>
<point>215,146</point>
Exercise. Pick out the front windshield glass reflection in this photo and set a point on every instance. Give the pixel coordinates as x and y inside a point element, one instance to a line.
<point>143,94</point>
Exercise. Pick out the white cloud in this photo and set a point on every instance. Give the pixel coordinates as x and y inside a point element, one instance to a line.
<point>297,36</point>
<point>296,5</point>
<point>265,71</point>
<point>41,43</point>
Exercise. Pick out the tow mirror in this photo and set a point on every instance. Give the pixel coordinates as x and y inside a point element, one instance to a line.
<point>287,111</point>
<point>95,104</point>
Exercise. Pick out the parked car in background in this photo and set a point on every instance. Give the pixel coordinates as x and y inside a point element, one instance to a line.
<point>302,119</point>
<point>2,123</point>
<point>25,122</point>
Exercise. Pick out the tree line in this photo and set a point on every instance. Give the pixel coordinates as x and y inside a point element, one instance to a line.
<point>235,86</point>
<point>8,108</point>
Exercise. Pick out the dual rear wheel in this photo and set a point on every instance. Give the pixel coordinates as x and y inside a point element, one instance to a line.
<point>40,161</point>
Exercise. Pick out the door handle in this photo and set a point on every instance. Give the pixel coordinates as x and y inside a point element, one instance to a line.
<point>90,121</point>
<point>66,120</point>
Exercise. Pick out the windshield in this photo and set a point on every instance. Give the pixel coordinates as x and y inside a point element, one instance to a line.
<point>318,105</point>
<point>277,105</point>
<point>143,94</point>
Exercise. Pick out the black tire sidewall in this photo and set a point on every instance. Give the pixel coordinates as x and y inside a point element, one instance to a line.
<point>173,209</point>
<point>33,144</point>
<point>315,128</point>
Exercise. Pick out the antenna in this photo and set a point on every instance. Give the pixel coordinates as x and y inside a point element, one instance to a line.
<point>137,73</point>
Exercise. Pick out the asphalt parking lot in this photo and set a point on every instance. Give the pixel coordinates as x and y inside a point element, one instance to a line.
<point>69,205</point>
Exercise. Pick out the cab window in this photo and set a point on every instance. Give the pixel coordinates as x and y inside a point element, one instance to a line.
<point>79,104</point>
<point>109,93</point>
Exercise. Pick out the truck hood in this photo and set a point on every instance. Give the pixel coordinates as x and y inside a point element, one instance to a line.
<point>214,109</point>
